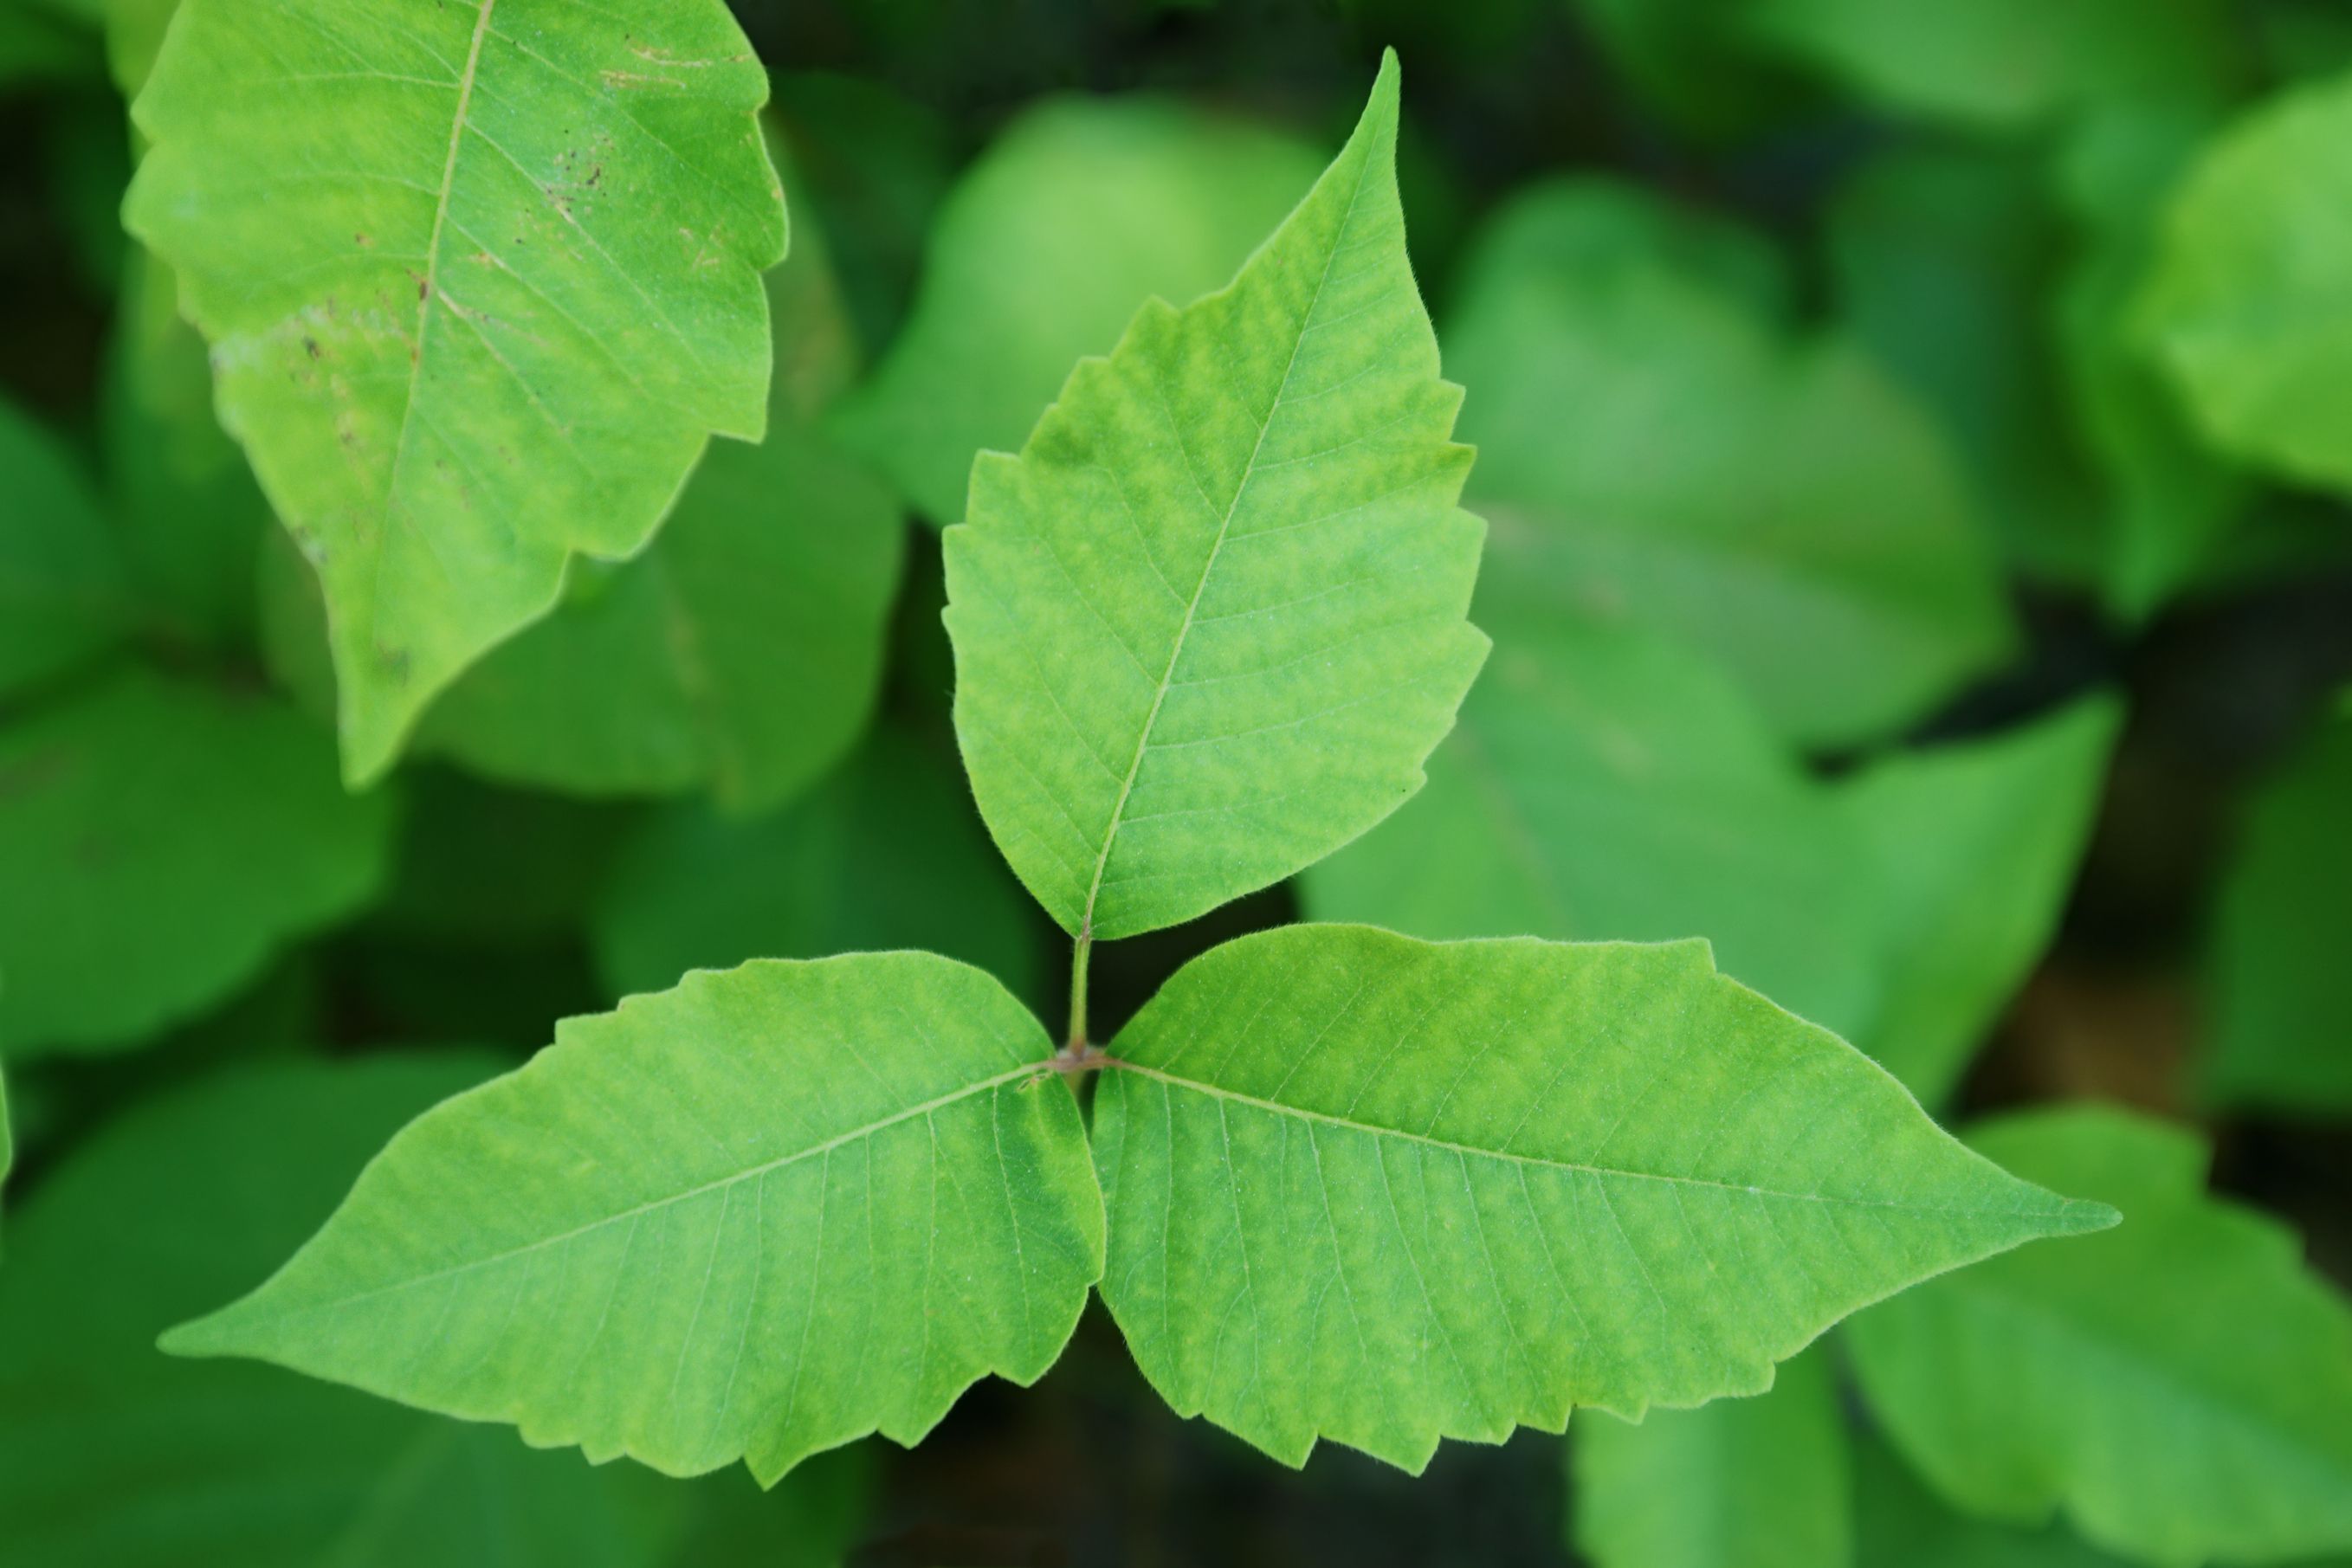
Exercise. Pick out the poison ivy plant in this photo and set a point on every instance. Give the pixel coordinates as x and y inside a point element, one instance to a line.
<point>1339,1183</point>
<point>2182,1388</point>
<point>884,854</point>
<point>1244,521</point>
<point>2008,64</point>
<point>479,283</point>
<point>1777,503</point>
<point>120,917</point>
<point>2281,1001</point>
<point>1080,209</point>
<point>1740,1483</point>
<point>113,1457</point>
<point>2245,310</point>
<point>682,1262</point>
<point>1423,1191</point>
<point>63,596</point>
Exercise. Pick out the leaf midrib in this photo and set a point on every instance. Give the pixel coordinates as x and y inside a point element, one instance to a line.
<point>1208,566</point>
<point>429,292</point>
<point>1540,1163</point>
<point>766,1167</point>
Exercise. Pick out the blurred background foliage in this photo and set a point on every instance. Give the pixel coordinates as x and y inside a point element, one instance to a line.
<point>1915,442</point>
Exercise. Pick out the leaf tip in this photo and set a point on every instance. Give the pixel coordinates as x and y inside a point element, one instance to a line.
<point>2081,1217</point>
<point>197,1339</point>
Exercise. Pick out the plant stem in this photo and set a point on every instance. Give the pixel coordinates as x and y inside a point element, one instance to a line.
<point>1080,952</point>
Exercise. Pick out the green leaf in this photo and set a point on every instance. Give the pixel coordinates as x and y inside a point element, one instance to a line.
<point>1777,503</point>
<point>1210,620</point>
<point>189,516</point>
<point>1740,1483</point>
<point>754,1217</point>
<point>1976,847</point>
<point>479,285</point>
<point>160,838</point>
<point>886,853</point>
<point>1945,257</point>
<point>739,653</point>
<point>1080,210</point>
<point>743,651</point>
<point>1603,783</point>
<point>62,594</point>
<point>1384,1191</point>
<point>1901,1524</point>
<point>113,1457</point>
<point>2247,309</point>
<point>2281,996</point>
<point>2182,1388</point>
<point>2008,64</point>
<point>2173,499</point>
<point>1606,783</point>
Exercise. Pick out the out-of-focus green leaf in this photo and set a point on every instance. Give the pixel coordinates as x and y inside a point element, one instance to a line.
<point>114,1457</point>
<point>1974,846</point>
<point>62,594</point>
<point>159,838</point>
<point>743,651</point>
<point>1604,783</point>
<point>1944,260</point>
<point>1079,214</point>
<point>1212,619</point>
<point>2182,1387</point>
<point>740,652</point>
<point>1385,1191</point>
<point>2170,499</point>
<point>2249,308</point>
<point>190,517</point>
<point>2007,64</point>
<point>135,35</point>
<point>875,162</point>
<point>2281,993</point>
<point>43,42</point>
<point>688,1232</point>
<point>480,286</point>
<point>1760,1482</point>
<point>1686,58</point>
<point>1779,504</point>
<point>1899,1523</point>
<point>886,853</point>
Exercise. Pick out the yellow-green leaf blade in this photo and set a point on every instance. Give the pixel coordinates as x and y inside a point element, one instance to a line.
<point>479,280</point>
<point>2182,1388</point>
<point>757,1215</point>
<point>1385,1191</point>
<point>1209,621</point>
